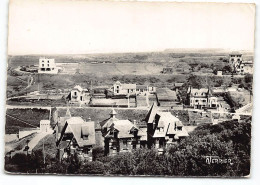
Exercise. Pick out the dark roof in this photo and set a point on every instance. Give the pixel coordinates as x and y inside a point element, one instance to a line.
<point>141,87</point>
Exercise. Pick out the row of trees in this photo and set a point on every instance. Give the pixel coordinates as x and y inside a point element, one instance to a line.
<point>228,140</point>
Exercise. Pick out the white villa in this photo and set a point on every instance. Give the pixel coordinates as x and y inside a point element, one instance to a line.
<point>78,95</point>
<point>200,98</point>
<point>47,65</point>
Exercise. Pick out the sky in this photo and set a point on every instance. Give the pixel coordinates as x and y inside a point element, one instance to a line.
<point>79,27</point>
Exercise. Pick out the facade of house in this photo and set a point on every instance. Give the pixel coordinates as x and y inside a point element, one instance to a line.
<point>132,89</point>
<point>75,135</point>
<point>120,88</point>
<point>163,129</point>
<point>235,60</point>
<point>201,98</point>
<point>239,65</point>
<point>47,65</point>
<point>78,95</point>
<point>121,135</point>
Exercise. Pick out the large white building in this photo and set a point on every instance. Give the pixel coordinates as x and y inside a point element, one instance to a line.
<point>47,65</point>
<point>239,65</point>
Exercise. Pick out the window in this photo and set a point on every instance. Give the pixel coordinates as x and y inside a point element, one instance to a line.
<point>179,128</point>
<point>196,100</point>
<point>48,61</point>
<point>48,65</point>
<point>75,93</point>
<point>42,65</point>
<point>85,137</point>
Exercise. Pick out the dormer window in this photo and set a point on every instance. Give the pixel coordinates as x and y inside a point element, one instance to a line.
<point>85,137</point>
<point>179,128</point>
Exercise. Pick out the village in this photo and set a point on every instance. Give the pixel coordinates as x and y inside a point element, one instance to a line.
<point>121,117</point>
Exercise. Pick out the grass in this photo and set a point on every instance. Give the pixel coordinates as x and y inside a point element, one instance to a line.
<point>30,116</point>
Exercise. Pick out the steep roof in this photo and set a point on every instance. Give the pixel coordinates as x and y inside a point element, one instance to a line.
<point>151,114</point>
<point>124,128</point>
<point>75,120</point>
<point>79,128</point>
<point>107,122</point>
<point>77,87</point>
<point>167,125</point>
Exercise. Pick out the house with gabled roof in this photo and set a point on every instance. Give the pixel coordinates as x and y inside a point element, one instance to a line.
<point>78,95</point>
<point>131,89</point>
<point>201,98</point>
<point>75,135</point>
<point>121,135</point>
<point>121,88</point>
<point>163,129</point>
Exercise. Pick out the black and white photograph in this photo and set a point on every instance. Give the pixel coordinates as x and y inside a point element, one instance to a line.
<point>113,88</point>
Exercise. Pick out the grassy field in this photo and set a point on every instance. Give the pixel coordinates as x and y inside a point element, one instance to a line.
<point>104,69</point>
<point>32,118</point>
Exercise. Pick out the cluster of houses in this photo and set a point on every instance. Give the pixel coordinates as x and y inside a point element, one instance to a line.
<point>79,95</point>
<point>73,134</point>
<point>239,65</point>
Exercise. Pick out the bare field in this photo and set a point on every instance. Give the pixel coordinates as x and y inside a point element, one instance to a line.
<point>120,68</point>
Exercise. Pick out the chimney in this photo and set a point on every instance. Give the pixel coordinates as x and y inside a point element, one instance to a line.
<point>134,122</point>
<point>89,118</point>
